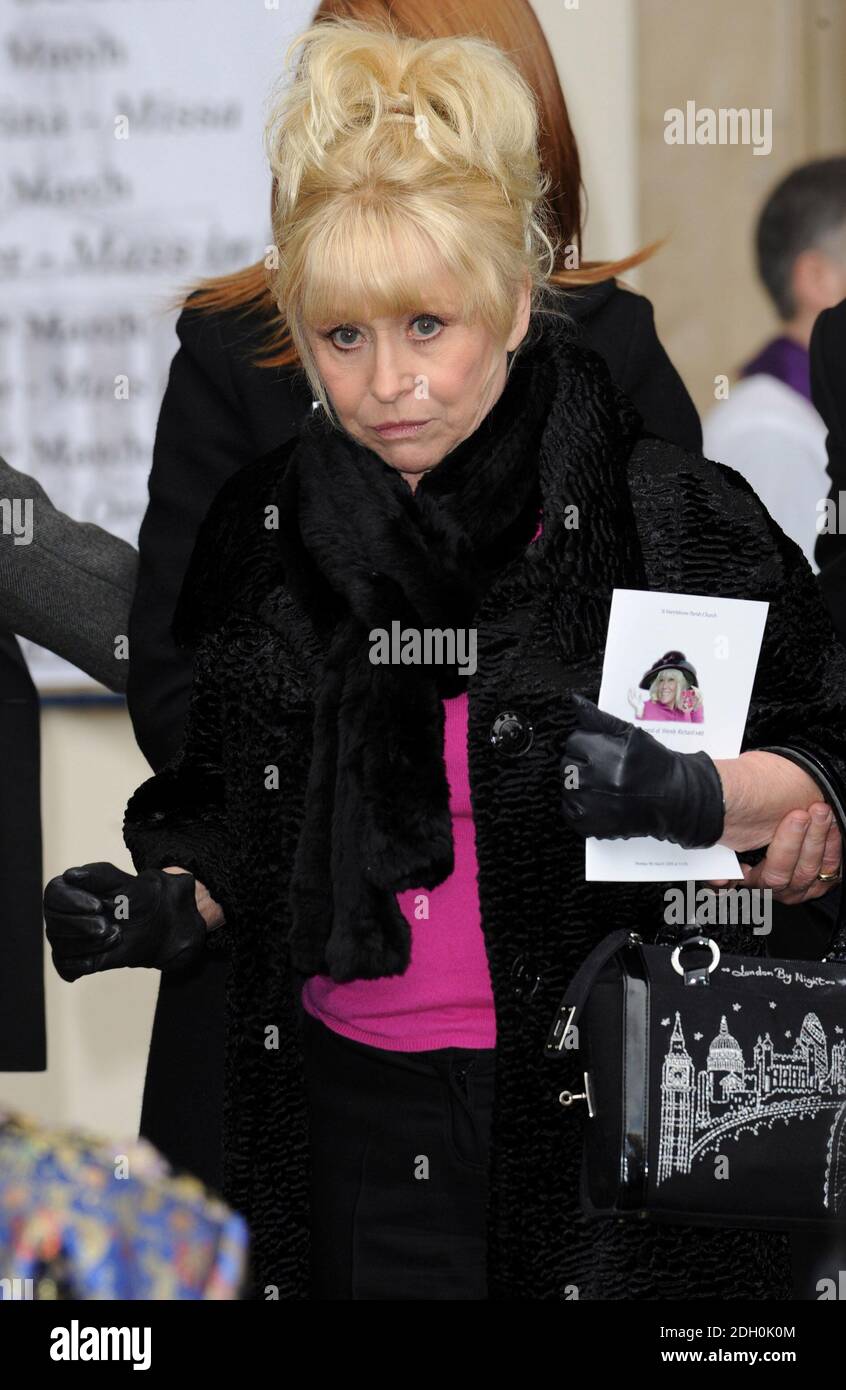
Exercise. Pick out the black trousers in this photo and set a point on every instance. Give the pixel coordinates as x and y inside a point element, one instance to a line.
<point>399,1152</point>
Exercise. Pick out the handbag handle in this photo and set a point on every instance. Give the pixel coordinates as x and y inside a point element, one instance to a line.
<point>576,993</point>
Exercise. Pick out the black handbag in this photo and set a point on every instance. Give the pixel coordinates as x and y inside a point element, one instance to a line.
<point>714,1086</point>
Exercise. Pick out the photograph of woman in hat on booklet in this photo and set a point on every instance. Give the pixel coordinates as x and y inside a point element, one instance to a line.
<point>672,691</point>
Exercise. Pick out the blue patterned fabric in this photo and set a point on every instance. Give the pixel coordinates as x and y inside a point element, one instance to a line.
<point>85,1217</point>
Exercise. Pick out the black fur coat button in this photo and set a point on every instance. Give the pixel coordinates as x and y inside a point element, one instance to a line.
<point>511,735</point>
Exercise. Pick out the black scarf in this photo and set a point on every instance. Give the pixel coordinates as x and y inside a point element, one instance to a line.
<point>377,802</point>
<point>376,818</point>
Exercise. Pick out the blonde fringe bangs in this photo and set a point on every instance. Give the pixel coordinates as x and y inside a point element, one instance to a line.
<point>401,163</point>
<point>373,257</point>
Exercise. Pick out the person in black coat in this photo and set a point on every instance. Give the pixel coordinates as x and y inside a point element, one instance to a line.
<point>828,388</point>
<point>219,412</point>
<point>814,1255</point>
<point>23,1029</point>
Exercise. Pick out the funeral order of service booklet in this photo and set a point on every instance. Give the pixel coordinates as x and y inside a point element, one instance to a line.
<point>682,667</point>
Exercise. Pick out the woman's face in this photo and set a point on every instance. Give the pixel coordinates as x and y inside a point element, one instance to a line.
<point>666,689</point>
<point>428,368</point>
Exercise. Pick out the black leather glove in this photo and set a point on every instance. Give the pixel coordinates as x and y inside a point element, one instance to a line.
<point>630,784</point>
<point>159,925</point>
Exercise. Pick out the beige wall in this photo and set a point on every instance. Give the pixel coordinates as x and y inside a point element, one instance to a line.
<point>594,48</point>
<point>788,55</point>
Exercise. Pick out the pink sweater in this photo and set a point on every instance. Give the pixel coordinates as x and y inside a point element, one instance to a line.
<point>444,998</point>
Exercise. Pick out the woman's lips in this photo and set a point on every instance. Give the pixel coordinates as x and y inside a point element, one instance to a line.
<point>401,430</point>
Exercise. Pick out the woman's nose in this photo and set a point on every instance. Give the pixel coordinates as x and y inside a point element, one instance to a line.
<point>390,376</point>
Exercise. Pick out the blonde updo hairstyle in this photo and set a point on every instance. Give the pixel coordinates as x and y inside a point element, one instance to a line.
<point>398,160</point>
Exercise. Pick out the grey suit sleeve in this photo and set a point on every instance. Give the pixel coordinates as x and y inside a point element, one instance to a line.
<point>65,584</point>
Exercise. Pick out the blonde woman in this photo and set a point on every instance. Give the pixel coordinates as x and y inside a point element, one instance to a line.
<point>235,391</point>
<point>380,846</point>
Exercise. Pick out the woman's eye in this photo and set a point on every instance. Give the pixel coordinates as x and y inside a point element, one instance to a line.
<point>344,328</point>
<point>430,319</point>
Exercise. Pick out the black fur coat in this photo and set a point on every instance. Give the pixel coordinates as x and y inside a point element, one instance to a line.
<point>654,517</point>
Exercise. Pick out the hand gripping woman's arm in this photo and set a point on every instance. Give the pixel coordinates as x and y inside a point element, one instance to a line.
<point>179,818</point>
<point>100,918</point>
